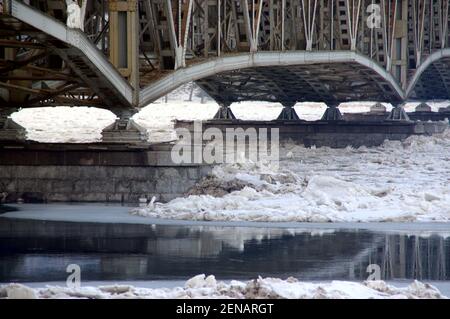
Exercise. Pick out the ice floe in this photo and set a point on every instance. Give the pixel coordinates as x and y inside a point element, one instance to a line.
<point>395,182</point>
<point>202,286</point>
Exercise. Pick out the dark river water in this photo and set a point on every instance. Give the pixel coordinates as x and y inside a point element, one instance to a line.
<point>40,251</point>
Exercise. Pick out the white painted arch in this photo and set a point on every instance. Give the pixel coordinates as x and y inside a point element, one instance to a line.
<point>259,59</point>
<point>435,56</point>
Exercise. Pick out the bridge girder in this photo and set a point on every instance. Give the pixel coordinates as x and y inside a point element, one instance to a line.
<point>286,77</point>
<point>42,62</point>
<point>176,36</point>
<point>432,78</point>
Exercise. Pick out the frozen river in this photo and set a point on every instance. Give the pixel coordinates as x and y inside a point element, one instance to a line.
<point>37,242</point>
<point>324,215</point>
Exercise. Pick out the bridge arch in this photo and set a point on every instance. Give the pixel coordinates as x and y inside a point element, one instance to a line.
<point>287,77</point>
<point>432,79</point>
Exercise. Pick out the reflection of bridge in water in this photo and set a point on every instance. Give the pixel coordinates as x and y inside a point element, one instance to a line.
<point>40,250</point>
<point>133,52</point>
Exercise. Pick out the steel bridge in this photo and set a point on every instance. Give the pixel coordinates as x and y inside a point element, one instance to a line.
<point>129,53</point>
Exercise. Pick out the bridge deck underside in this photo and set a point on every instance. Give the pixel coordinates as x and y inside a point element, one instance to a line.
<point>434,83</point>
<point>79,82</point>
<point>44,62</point>
<point>331,83</point>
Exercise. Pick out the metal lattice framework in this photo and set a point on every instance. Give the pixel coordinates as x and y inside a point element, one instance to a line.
<point>275,50</point>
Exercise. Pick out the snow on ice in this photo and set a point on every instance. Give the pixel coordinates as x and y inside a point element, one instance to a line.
<point>398,181</point>
<point>202,286</point>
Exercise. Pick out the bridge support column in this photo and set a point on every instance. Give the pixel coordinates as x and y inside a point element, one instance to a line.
<point>10,130</point>
<point>423,107</point>
<point>398,114</point>
<point>332,113</point>
<point>288,114</point>
<point>224,113</point>
<point>124,130</point>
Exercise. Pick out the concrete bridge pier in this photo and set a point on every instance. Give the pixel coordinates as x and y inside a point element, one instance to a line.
<point>288,113</point>
<point>125,130</point>
<point>423,108</point>
<point>224,113</point>
<point>398,113</point>
<point>10,130</point>
<point>332,113</point>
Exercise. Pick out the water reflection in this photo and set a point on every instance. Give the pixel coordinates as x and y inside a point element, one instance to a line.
<point>5,209</point>
<point>416,257</point>
<point>41,250</point>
